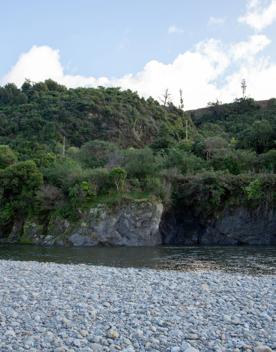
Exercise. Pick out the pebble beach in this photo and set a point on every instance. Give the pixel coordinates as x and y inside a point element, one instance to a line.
<point>60,308</point>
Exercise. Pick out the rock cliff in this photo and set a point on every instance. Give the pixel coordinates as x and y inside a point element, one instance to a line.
<point>239,226</point>
<point>134,223</point>
<point>146,223</point>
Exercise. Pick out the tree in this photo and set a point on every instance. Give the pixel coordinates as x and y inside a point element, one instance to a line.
<point>81,193</point>
<point>19,184</point>
<point>166,98</point>
<point>7,156</point>
<point>140,163</point>
<point>181,100</point>
<point>118,176</point>
<point>96,153</point>
<point>234,161</point>
<point>208,147</point>
<point>185,162</point>
<point>63,173</point>
<point>254,190</point>
<point>243,87</point>
<point>267,161</point>
<point>259,136</point>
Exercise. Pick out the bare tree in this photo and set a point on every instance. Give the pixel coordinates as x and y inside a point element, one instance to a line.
<point>243,87</point>
<point>166,97</point>
<point>181,105</point>
<point>63,146</point>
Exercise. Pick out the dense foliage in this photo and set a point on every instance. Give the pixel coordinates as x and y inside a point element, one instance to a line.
<point>63,150</point>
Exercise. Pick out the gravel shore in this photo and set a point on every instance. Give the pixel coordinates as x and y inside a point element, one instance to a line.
<point>55,307</point>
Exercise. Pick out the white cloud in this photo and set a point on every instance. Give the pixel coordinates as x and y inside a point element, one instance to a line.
<point>247,50</point>
<point>252,4</point>
<point>43,62</point>
<point>175,30</point>
<point>258,15</point>
<point>210,71</point>
<point>216,21</point>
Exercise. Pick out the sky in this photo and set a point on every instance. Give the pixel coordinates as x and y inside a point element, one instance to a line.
<point>203,47</point>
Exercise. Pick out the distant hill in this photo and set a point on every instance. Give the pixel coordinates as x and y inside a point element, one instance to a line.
<point>46,112</point>
<point>263,104</point>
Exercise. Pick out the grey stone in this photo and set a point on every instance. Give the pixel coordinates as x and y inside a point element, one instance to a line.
<point>95,347</point>
<point>137,309</point>
<point>113,333</point>
<point>263,348</point>
<point>133,223</point>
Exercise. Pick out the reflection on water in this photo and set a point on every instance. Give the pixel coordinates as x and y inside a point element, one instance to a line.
<point>248,260</point>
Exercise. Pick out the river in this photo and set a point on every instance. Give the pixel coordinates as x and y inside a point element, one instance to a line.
<point>244,260</point>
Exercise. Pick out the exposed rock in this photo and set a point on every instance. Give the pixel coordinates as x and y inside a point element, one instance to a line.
<point>242,226</point>
<point>141,223</point>
<point>134,223</point>
<point>232,227</point>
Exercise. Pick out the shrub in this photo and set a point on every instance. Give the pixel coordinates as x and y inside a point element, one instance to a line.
<point>118,177</point>
<point>96,153</point>
<point>186,163</point>
<point>81,194</point>
<point>18,186</point>
<point>63,173</point>
<point>100,178</point>
<point>7,156</point>
<point>49,198</point>
<point>254,190</point>
<point>140,163</point>
<point>267,161</point>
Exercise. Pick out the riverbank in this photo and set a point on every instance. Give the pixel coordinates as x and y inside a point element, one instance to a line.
<point>55,307</point>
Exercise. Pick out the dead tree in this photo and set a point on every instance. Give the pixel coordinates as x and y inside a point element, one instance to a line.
<point>166,97</point>
<point>243,87</point>
<point>181,106</point>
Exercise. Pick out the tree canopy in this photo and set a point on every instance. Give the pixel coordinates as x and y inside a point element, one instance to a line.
<point>62,150</point>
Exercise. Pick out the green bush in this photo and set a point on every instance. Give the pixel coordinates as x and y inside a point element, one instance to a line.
<point>254,190</point>
<point>186,163</point>
<point>140,163</point>
<point>96,153</point>
<point>19,184</point>
<point>267,161</point>
<point>234,161</point>
<point>118,177</point>
<point>7,156</point>
<point>81,194</point>
<point>63,173</point>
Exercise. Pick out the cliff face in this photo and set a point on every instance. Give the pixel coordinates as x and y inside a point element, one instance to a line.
<point>132,224</point>
<point>145,223</point>
<point>238,226</point>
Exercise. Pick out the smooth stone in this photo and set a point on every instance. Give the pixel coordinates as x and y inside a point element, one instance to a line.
<point>175,349</point>
<point>113,333</point>
<point>263,348</point>
<point>95,347</point>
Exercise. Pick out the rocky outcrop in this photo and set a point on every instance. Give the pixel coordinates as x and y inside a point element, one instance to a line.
<point>145,223</point>
<point>238,226</point>
<point>134,223</point>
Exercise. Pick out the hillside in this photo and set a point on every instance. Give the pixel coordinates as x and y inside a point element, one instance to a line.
<point>63,150</point>
<point>45,113</point>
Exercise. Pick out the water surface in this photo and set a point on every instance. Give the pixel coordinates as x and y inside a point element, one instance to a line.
<point>247,260</point>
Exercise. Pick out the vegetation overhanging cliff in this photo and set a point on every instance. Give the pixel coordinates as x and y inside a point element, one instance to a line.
<point>66,150</point>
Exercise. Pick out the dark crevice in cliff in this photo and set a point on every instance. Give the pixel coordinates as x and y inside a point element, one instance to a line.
<point>239,226</point>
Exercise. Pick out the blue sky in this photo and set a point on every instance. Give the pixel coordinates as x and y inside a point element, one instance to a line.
<point>114,38</point>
